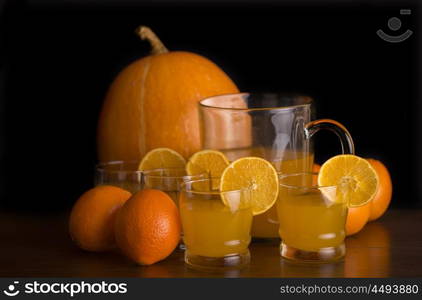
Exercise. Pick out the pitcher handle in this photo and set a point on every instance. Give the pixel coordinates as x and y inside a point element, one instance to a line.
<point>343,134</point>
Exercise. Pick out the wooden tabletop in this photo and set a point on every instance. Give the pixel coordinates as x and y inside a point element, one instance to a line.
<point>39,246</point>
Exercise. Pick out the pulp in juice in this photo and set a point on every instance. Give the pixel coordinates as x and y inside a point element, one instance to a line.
<point>211,229</point>
<point>309,221</point>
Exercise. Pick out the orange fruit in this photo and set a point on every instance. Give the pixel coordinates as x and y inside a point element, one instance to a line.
<point>357,217</point>
<point>255,174</point>
<point>316,167</point>
<point>210,162</point>
<point>385,190</point>
<point>92,217</point>
<point>161,158</point>
<point>356,180</point>
<point>147,227</point>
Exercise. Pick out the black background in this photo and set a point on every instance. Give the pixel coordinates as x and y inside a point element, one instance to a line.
<point>59,57</point>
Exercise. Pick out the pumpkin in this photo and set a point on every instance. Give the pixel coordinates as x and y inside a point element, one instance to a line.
<point>153,103</point>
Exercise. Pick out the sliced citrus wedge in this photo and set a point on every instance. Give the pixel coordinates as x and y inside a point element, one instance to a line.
<point>210,162</point>
<point>160,158</point>
<point>355,178</point>
<point>255,174</point>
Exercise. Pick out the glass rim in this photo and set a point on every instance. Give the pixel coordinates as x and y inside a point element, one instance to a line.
<point>146,174</point>
<point>101,167</point>
<point>185,183</point>
<point>292,186</point>
<point>308,101</point>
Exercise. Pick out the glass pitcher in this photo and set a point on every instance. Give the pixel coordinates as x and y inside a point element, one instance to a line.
<point>276,127</point>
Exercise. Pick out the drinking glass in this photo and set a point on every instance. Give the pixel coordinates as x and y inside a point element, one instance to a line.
<point>276,127</point>
<point>216,236</point>
<point>119,173</point>
<point>168,180</point>
<point>312,219</point>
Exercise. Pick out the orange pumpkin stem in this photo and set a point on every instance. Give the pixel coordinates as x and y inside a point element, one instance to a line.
<point>145,33</point>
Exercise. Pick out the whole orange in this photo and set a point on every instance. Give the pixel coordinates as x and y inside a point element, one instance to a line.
<point>147,227</point>
<point>357,217</point>
<point>316,167</point>
<point>92,217</point>
<point>385,190</point>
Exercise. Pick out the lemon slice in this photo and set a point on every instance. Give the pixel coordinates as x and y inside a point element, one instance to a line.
<point>255,174</point>
<point>355,178</point>
<point>210,162</point>
<point>160,158</point>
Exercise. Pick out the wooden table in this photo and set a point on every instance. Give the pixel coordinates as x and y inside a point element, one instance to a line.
<point>39,246</point>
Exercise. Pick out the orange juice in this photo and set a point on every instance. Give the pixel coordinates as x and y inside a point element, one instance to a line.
<point>212,229</point>
<point>310,221</point>
<point>266,225</point>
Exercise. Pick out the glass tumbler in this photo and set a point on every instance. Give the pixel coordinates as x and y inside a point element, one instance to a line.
<point>168,180</point>
<point>216,235</point>
<point>312,219</point>
<point>119,173</point>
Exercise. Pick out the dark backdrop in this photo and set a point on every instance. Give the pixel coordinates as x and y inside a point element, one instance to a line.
<point>58,59</point>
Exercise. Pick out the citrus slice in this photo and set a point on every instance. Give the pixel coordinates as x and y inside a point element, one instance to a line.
<point>210,162</point>
<point>255,174</point>
<point>355,178</point>
<point>160,158</point>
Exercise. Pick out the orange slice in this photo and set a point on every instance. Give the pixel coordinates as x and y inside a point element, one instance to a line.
<point>210,162</point>
<point>160,158</point>
<point>355,178</point>
<point>255,174</point>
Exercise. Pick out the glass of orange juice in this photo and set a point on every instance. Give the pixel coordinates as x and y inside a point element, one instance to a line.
<point>216,235</point>
<point>312,219</point>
